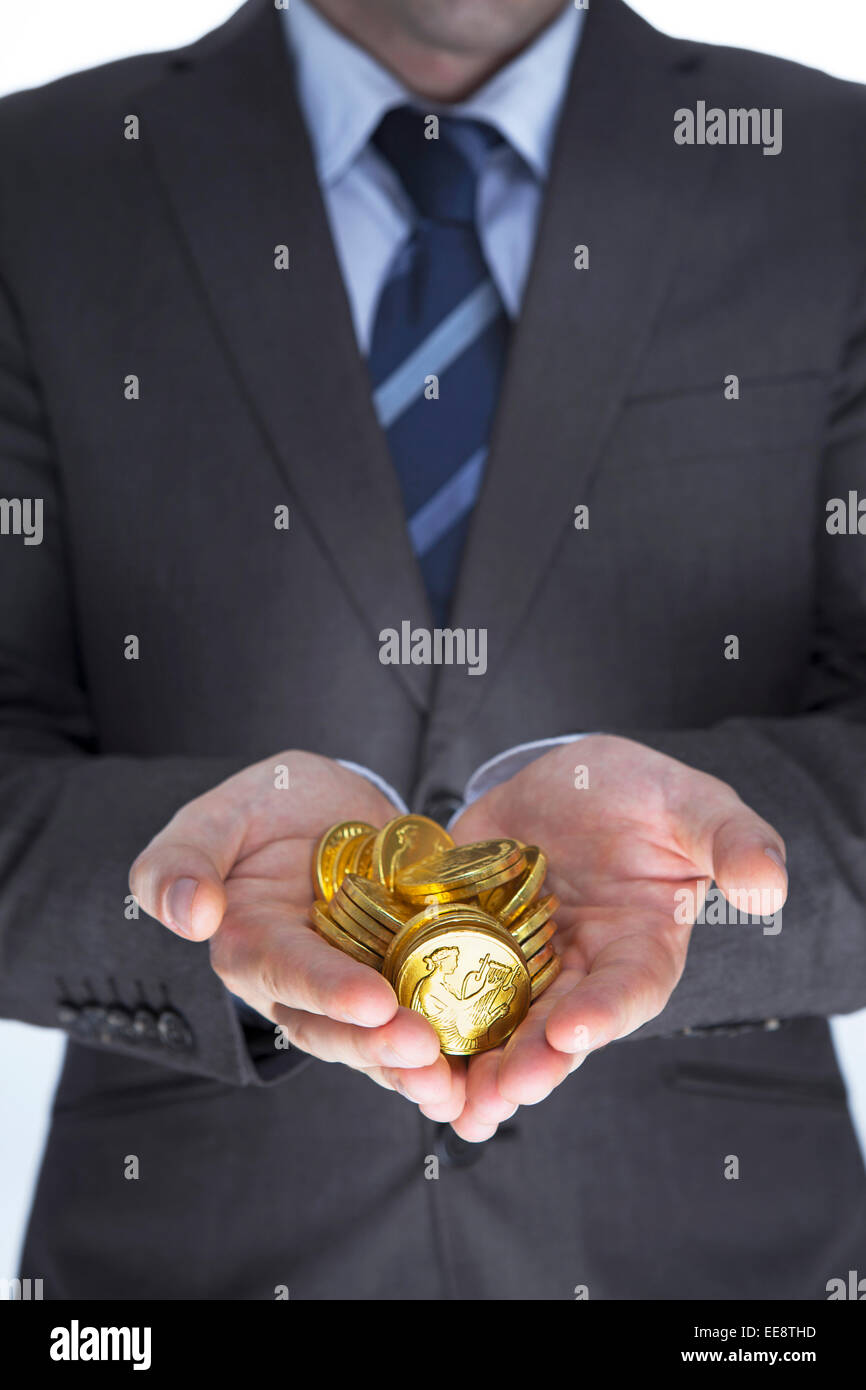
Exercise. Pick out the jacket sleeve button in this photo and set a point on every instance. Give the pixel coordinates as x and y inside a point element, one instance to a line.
<point>144,1028</point>
<point>174,1031</point>
<point>92,1023</point>
<point>119,1021</point>
<point>67,1014</point>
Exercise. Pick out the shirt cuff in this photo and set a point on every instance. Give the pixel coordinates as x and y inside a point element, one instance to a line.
<point>505,765</point>
<point>384,787</point>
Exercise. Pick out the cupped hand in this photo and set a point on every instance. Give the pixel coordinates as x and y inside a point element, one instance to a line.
<point>233,868</point>
<point>632,845</point>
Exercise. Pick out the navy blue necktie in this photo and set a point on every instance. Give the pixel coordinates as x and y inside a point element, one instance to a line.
<point>439,316</point>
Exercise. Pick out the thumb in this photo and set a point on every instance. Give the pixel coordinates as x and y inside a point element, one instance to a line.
<point>749,863</point>
<point>180,885</point>
<point>179,877</point>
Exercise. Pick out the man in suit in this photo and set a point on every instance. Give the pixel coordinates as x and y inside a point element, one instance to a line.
<point>360,315</point>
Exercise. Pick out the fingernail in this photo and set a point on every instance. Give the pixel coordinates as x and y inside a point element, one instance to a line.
<point>361,1022</point>
<point>581,1039</point>
<point>772,853</point>
<point>178,905</point>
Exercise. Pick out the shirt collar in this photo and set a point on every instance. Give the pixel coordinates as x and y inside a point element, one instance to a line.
<point>523,100</point>
<point>344,92</point>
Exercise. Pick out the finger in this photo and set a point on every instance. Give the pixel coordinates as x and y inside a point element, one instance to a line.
<point>485,1104</point>
<point>629,982</point>
<point>445,1113</point>
<point>451,1105</point>
<point>749,864</point>
<point>264,955</point>
<point>178,877</point>
<point>530,1067</point>
<point>729,840</point>
<point>406,1041</point>
<point>474,1131</point>
<point>438,1091</point>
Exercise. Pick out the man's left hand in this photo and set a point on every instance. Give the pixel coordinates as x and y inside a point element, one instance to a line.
<point>620,851</point>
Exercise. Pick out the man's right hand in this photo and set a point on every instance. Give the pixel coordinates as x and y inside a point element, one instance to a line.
<point>233,868</point>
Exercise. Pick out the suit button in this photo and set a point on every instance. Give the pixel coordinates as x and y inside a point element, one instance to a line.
<point>92,1022</point>
<point>455,1152</point>
<point>119,1021</point>
<point>174,1031</point>
<point>144,1026</point>
<point>441,804</point>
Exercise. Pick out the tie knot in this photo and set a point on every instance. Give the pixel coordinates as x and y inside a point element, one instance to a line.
<point>438,160</point>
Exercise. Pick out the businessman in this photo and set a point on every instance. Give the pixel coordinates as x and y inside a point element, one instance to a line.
<point>513,318</point>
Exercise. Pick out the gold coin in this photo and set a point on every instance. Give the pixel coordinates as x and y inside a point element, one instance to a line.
<point>539,960</point>
<point>468,980</point>
<point>431,916</point>
<point>367,933</point>
<point>539,938</point>
<point>420,919</point>
<point>375,900</point>
<point>329,846</point>
<point>481,887</point>
<point>545,976</point>
<point>524,927</point>
<point>337,937</point>
<point>468,893</point>
<point>401,842</point>
<point>365,857</point>
<point>443,879</point>
<point>461,866</point>
<point>346,859</point>
<point>509,900</point>
<point>382,935</point>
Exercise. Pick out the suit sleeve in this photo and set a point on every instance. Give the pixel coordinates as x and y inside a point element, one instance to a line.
<point>72,952</point>
<point>806,775</point>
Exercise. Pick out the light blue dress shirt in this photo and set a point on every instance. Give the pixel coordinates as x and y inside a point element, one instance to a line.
<point>344,93</point>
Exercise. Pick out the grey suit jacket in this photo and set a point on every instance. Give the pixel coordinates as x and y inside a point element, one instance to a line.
<point>154,257</point>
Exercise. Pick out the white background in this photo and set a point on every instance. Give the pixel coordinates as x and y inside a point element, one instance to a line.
<point>43,39</point>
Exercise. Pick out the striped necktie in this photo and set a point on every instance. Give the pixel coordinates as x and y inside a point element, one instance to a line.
<point>439,316</point>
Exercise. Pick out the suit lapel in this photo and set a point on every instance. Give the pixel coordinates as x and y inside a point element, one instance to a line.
<point>233,155</point>
<point>620,186</point>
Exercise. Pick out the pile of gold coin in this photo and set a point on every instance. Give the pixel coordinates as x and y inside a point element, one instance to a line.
<point>462,933</point>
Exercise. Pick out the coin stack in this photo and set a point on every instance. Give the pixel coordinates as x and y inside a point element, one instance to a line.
<point>462,933</point>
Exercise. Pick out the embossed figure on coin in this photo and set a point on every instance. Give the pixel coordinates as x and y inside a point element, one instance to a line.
<point>406,901</point>
<point>464,1010</point>
<point>406,837</point>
